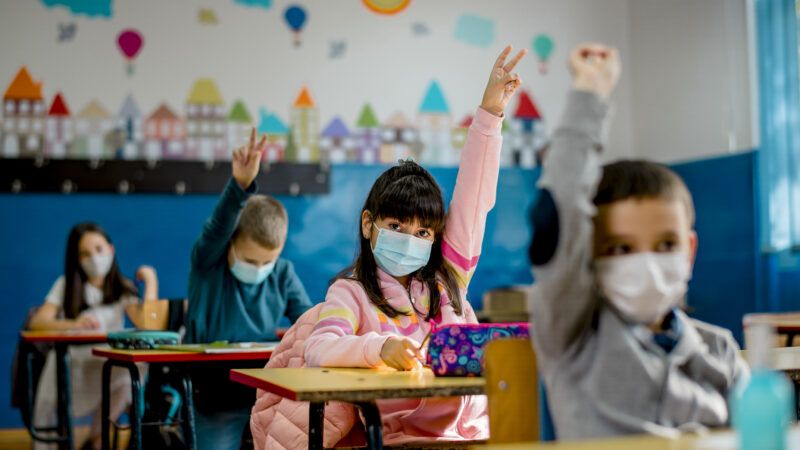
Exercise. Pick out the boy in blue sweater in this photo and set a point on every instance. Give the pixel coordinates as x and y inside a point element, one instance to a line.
<point>239,288</point>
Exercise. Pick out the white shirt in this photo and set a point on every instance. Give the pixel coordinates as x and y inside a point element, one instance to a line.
<point>110,316</point>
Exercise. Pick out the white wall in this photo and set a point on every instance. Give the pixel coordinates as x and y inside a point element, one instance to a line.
<point>251,56</point>
<point>691,83</point>
<point>684,92</point>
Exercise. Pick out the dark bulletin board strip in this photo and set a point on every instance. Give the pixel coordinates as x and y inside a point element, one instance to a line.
<point>18,175</point>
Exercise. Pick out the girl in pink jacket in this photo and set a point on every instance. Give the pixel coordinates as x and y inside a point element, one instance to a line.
<point>412,271</point>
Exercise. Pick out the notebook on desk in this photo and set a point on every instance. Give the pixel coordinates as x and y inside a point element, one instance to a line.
<point>238,347</point>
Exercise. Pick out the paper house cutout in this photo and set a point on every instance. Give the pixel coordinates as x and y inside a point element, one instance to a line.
<point>92,127</point>
<point>164,133</point>
<point>399,139</point>
<point>336,145</point>
<point>240,122</point>
<point>130,128</point>
<point>23,117</point>
<point>435,125</point>
<point>277,136</point>
<point>60,129</point>
<point>304,129</point>
<point>206,130</point>
<point>368,136</point>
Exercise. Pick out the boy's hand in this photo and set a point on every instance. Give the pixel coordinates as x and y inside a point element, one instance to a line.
<point>401,353</point>
<point>502,83</point>
<point>595,68</point>
<point>247,160</point>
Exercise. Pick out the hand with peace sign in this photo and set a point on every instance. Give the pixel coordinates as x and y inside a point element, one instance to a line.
<point>247,160</point>
<point>502,83</point>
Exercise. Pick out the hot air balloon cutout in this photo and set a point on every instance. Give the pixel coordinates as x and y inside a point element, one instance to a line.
<point>543,46</point>
<point>386,7</point>
<point>295,17</point>
<point>130,43</point>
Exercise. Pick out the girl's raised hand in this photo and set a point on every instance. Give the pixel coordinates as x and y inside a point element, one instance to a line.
<point>401,353</point>
<point>502,83</point>
<point>595,68</point>
<point>247,160</point>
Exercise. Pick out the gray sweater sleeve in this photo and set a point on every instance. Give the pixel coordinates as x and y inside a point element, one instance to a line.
<point>562,310</point>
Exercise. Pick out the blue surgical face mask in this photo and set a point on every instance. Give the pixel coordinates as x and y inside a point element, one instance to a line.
<point>400,254</point>
<point>251,273</point>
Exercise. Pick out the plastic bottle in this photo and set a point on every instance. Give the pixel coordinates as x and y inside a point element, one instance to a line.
<point>762,406</point>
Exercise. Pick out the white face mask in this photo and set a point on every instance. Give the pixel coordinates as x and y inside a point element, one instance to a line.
<point>643,287</point>
<point>97,266</point>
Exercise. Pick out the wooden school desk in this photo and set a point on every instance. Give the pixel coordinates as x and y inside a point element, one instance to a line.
<point>361,387</point>
<point>787,324</point>
<point>61,340</point>
<point>714,440</point>
<point>182,359</point>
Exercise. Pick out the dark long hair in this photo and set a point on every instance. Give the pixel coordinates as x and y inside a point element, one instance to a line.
<point>114,286</point>
<point>406,192</point>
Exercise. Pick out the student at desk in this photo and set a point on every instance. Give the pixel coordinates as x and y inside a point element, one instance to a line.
<point>92,294</point>
<point>239,288</point>
<point>613,251</point>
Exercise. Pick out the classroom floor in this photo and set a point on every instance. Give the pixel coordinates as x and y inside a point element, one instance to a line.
<point>19,439</point>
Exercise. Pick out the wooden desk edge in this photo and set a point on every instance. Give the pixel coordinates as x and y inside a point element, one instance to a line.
<point>179,357</point>
<point>254,382</point>
<point>39,336</point>
<point>242,377</point>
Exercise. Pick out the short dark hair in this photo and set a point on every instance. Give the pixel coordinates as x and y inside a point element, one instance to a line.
<point>640,179</point>
<point>264,220</point>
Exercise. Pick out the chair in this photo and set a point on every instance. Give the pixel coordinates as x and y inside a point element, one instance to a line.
<point>517,405</point>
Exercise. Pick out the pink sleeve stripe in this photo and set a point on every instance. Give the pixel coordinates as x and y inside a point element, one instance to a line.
<point>337,322</point>
<point>450,254</point>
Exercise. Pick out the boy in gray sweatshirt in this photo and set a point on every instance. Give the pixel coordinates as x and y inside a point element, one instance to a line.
<point>612,251</point>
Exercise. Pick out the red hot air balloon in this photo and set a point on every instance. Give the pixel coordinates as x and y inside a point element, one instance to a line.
<point>130,42</point>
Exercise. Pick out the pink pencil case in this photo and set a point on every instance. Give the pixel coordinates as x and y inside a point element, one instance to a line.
<point>456,350</point>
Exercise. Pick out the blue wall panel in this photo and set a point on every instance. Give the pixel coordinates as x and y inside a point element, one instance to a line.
<point>160,229</point>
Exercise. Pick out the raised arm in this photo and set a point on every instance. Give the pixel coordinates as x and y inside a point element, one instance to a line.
<point>219,228</point>
<point>151,313</point>
<point>561,249</point>
<point>476,183</point>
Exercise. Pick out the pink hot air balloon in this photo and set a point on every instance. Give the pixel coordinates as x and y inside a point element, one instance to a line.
<point>130,42</point>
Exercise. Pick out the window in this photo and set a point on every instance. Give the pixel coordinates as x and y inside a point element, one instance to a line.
<point>9,107</point>
<point>24,107</point>
<point>779,155</point>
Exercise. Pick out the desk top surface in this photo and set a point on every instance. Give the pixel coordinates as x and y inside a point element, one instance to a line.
<point>783,322</point>
<point>353,385</point>
<point>167,356</point>
<point>718,440</point>
<point>66,336</point>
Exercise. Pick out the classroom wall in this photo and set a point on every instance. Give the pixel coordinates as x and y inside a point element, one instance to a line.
<point>251,56</point>
<point>690,78</point>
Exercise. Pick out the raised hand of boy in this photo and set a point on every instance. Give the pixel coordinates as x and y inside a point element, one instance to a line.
<point>502,83</point>
<point>595,68</point>
<point>247,160</point>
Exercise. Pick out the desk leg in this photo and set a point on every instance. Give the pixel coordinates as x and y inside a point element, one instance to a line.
<point>64,396</point>
<point>316,425</point>
<point>105,410</point>
<point>372,417</point>
<point>137,407</point>
<point>189,425</point>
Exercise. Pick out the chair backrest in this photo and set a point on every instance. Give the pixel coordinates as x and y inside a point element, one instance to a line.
<point>512,386</point>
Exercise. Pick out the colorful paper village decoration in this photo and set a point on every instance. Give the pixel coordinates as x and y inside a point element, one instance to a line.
<point>208,130</point>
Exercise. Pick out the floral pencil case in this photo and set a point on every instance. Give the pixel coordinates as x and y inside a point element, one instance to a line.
<point>456,350</point>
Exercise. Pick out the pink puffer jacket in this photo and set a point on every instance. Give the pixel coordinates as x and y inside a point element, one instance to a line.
<point>275,421</point>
